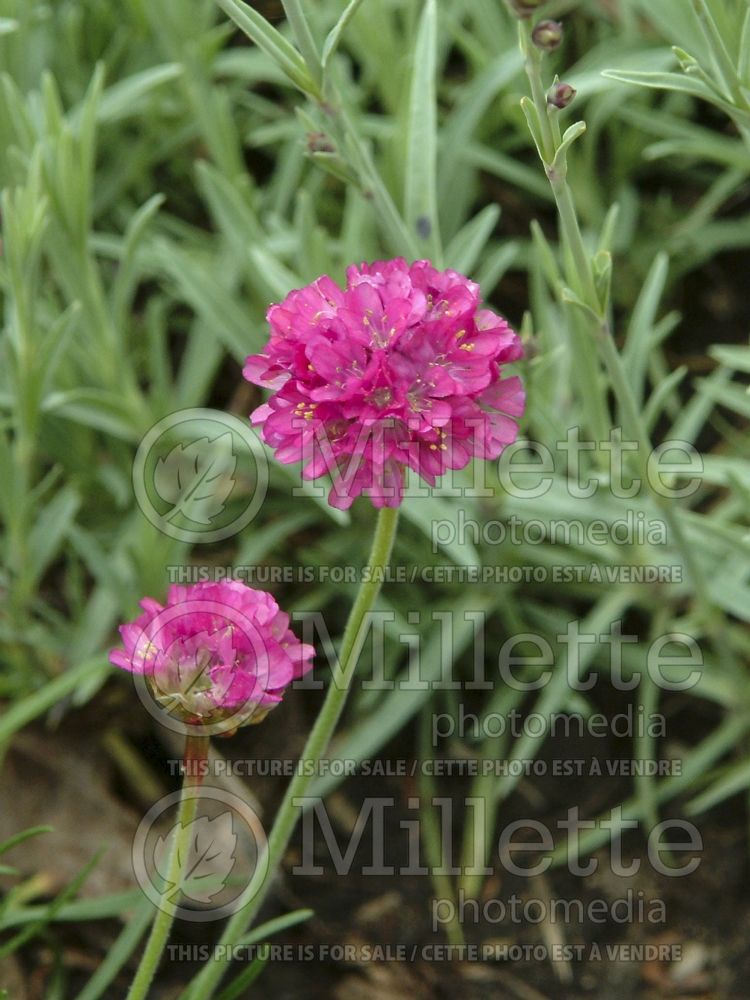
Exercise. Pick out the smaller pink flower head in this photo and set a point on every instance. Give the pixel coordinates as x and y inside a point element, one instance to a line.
<point>402,368</point>
<point>217,654</point>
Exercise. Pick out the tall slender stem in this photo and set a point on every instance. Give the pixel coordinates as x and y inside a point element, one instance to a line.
<point>532,65</point>
<point>203,986</point>
<point>581,279</point>
<point>196,751</point>
<point>580,275</point>
<point>573,237</point>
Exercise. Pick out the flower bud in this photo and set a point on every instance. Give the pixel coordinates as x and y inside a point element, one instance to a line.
<point>560,95</point>
<point>318,142</point>
<point>547,35</point>
<point>525,8</point>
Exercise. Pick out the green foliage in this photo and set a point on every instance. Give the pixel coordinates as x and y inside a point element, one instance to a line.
<point>164,179</point>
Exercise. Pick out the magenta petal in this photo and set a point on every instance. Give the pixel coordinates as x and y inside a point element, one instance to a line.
<point>217,651</point>
<point>119,659</point>
<point>401,367</point>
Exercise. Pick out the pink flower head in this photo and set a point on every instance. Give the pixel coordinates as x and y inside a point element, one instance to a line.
<point>217,654</point>
<point>402,368</point>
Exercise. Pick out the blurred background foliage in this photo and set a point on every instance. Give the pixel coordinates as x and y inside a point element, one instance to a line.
<point>164,180</point>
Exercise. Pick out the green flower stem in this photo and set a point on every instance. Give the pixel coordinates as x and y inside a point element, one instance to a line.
<point>583,278</point>
<point>578,269</point>
<point>203,986</point>
<point>533,66</point>
<point>580,275</point>
<point>196,752</point>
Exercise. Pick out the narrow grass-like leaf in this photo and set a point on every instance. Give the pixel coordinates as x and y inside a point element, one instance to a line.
<point>744,63</point>
<point>273,43</point>
<point>680,84</point>
<point>609,228</point>
<point>494,265</point>
<point>639,336</point>
<point>733,397</point>
<point>19,838</point>
<point>661,393</point>
<point>123,99</point>
<point>732,356</point>
<point>427,512</point>
<point>723,62</point>
<point>458,132</point>
<point>545,255</point>
<point>276,926</point>
<point>303,35</point>
<point>554,695</point>
<point>222,313</point>
<point>570,135</point>
<point>118,954</point>
<point>238,986</point>
<point>729,782</point>
<point>401,238</point>
<point>95,408</point>
<point>125,282</point>
<point>23,711</point>
<point>532,120</point>
<point>694,765</point>
<point>336,33</point>
<point>248,976</point>
<point>71,890</point>
<point>420,185</point>
<point>508,168</point>
<point>467,246</point>
<point>49,531</point>
<point>103,908</point>
<point>400,705</point>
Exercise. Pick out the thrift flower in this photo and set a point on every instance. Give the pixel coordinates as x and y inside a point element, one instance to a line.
<point>401,368</point>
<point>217,654</point>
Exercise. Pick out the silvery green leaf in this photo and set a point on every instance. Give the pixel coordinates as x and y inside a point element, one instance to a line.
<point>569,137</point>
<point>569,297</point>
<point>336,33</point>
<point>532,120</point>
<point>743,68</point>
<point>272,42</point>
<point>602,264</point>
<point>420,184</point>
